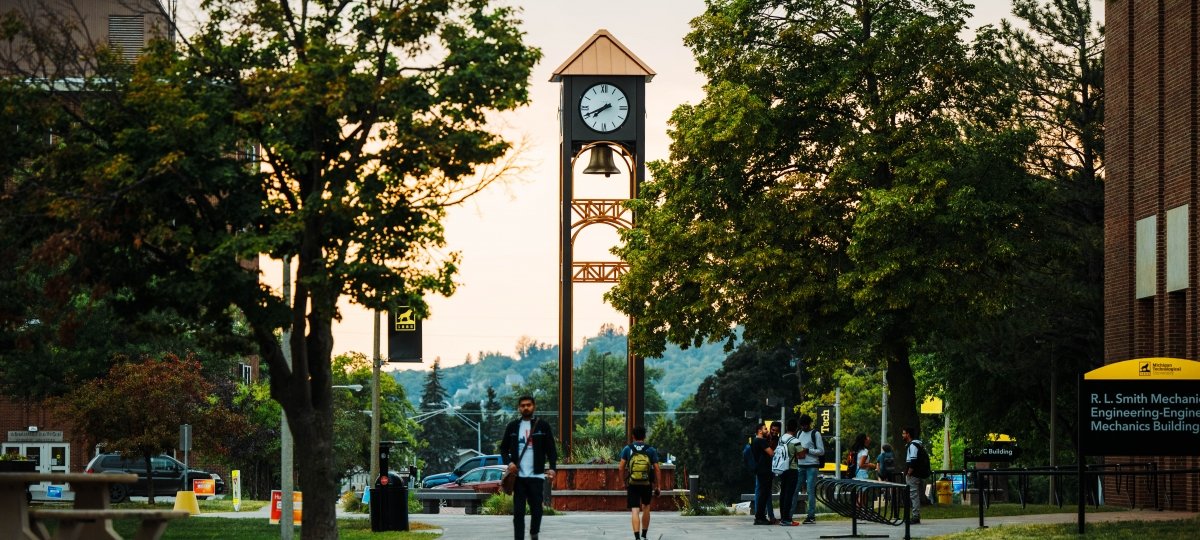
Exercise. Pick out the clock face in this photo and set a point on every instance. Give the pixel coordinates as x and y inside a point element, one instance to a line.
<point>603,107</point>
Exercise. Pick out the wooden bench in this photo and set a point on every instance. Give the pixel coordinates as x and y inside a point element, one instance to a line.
<point>749,497</point>
<point>73,522</point>
<point>431,499</point>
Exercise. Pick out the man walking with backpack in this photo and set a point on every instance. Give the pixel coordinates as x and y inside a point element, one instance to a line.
<point>639,468</point>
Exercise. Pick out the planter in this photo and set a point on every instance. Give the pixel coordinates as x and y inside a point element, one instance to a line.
<point>597,488</point>
<point>18,466</point>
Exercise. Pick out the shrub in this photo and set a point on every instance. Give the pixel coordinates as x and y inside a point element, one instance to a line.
<point>502,505</point>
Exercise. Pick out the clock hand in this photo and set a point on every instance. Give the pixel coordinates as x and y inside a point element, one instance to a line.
<point>600,110</point>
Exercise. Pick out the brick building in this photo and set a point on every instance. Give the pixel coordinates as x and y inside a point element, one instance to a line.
<point>28,427</point>
<point>1152,159</point>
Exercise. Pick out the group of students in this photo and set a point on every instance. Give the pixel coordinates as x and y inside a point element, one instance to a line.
<point>804,448</point>
<point>799,452</point>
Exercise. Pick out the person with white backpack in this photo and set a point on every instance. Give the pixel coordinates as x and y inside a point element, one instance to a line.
<point>808,459</point>
<point>783,464</point>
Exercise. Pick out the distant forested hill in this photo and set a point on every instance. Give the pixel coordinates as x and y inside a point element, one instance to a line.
<point>683,370</point>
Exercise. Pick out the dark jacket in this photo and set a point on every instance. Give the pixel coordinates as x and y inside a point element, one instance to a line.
<point>543,445</point>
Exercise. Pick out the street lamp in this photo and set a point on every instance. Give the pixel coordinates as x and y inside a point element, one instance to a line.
<point>452,410</point>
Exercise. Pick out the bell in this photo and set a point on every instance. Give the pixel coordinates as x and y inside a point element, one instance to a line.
<point>602,162</point>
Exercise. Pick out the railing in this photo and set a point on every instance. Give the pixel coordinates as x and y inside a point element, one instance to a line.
<point>885,503</point>
<point>1125,474</point>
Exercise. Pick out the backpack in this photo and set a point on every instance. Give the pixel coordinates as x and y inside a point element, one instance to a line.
<point>851,464</point>
<point>640,467</point>
<point>748,457</point>
<point>818,444</point>
<point>921,467</point>
<point>887,465</point>
<point>782,460</point>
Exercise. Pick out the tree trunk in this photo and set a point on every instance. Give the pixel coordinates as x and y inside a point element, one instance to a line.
<point>902,398</point>
<point>314,463</point>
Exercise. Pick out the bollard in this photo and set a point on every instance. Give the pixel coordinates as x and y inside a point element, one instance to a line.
<point>693,486</point>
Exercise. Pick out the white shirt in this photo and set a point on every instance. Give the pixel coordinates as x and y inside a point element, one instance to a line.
<point>525,468</point>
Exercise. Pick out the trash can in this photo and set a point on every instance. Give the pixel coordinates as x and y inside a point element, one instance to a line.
<point>945,491</point>
<point>389,504</point>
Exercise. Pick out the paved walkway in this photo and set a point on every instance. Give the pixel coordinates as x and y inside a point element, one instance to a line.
<point>670,525</point>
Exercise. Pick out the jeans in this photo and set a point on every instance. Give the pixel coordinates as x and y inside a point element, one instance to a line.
<point>788,482</point>
<point>527,489</point>
<point>762,496</point>
<point>915,488</point>
<point>810,487</point>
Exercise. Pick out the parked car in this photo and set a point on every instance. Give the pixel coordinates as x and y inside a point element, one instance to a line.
<point>480,480</point>
<point>168,475</point>
<point>435,480</point>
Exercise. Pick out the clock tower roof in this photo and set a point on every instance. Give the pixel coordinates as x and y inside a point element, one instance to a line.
<point>602,54</point>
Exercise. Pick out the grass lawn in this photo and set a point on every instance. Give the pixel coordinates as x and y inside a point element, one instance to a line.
<point>995,510</point>
<point>210,505</point>
<point>1184,529</point>
<point>947,511</point>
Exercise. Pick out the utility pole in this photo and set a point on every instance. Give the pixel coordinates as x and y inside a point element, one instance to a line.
<point>285,431</point>
<point>375,363</point>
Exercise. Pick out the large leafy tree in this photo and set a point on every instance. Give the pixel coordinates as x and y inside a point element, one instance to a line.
<point>367,119</point>
<point>1052,329</point>
<point>838,191</point>
<point>138,407</point>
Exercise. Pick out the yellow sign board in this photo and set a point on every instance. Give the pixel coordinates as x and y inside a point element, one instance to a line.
<point>932,405</point>
<point>1147,369</point>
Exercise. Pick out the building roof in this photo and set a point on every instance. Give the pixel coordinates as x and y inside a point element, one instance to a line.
<point>602,54</point>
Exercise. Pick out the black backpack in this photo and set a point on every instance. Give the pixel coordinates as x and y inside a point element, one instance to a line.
<point>921,467</point>
<point>818,443</point>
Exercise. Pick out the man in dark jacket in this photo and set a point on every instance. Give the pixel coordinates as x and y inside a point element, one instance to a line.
<point>527,445</point>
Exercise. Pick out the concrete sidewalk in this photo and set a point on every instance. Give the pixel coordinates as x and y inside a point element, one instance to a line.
<point>671,525</point>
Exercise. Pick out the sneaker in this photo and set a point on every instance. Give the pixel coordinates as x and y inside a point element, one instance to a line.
<point>809,521</point>
<point>774,521</point>
<point>788,523</point>
<point>761,522</point>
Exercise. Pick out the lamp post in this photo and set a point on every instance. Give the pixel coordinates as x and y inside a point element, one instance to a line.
<point>453,411</point>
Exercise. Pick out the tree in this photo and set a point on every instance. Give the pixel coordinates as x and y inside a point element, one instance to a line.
<point>1051,327</point>
<point>880,136</point>
<point>749,375</point>
<point>494,422</point>
<point>368,120</point>
<point>438,431</point>
<point>137,409</point>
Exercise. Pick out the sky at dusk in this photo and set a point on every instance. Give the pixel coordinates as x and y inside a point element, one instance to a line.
<point>508,235</point>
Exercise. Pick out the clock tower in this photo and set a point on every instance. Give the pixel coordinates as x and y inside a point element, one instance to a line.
<point>603,118</point>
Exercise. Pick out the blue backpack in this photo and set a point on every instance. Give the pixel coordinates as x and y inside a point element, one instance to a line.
<point>748,458</point>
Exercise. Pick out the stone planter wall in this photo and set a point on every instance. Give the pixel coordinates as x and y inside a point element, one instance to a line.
<point>588,487</point>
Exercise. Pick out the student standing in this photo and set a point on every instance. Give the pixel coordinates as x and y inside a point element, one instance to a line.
<point>527,445</point>
<point>762,450</point>
<point>640,470</point>
<point>808,465</point>
<point>915,483</point>
<point>788,481</point>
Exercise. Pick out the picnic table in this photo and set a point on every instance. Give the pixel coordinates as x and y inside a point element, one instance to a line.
<point>90,518</point>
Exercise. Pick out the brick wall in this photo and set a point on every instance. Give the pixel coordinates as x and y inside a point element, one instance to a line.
<point>1152,128</point>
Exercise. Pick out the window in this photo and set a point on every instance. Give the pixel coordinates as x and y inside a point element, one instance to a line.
<point>1146,269</point>
<point>247,373</point>
<point>128,34</point>
<point>1177,248</point>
